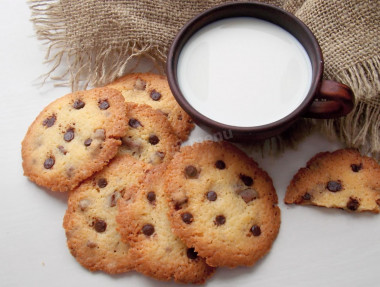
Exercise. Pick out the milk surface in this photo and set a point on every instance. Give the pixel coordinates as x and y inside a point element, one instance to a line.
<point>244,72</point>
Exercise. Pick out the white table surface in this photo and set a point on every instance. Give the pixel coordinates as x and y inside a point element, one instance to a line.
<point>315,246</point>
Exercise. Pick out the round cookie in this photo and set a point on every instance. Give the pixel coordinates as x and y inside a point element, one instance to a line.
<point>90,221</point>
<point>74,137</point>
<point>156,251</point>
<point>342,179</point>
<point>149,135</point>
<point>153,90</point>
<point>222,204</point>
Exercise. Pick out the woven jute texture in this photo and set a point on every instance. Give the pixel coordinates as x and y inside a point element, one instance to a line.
<point>93,42</point>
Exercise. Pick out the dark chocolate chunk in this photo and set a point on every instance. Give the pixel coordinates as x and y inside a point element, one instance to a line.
<point>306,196</point>
<point>102,182</point>
<point>248,194</point>
<point>187,217</point>
<point>353,204</point>
<point>256,230</point>
<point>133,123</point>
<point>103,105</point>
<point>211,195</point>
<point>88,142</point>
<point>153,139</point>
<point>219,164</point>
<point>191,254</point>
<point>78,104</point>
<point>220,220</point>
<point>151,196</point>
<point>155,96</point>
<point>148,229</point>
<point>191,171</point>
<point>356,167</point>
<point>378,201</point>
<point>49,162</point>
<point>100,225</point>
<point>248,181</point>
<point>48,122</point>
<point>69,135</point>
<point>334,186</point>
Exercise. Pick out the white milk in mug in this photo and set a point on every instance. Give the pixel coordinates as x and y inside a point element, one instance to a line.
<point>244,72</point>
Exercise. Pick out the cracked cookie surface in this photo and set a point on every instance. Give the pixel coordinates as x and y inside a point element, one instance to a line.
<point>222,204</point>
<point>90,219</point>
<point>153,90</point>
<point>341,179</point>
<point>74,137</point>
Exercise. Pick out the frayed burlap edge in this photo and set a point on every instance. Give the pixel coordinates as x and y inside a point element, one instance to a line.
<point>80,69</point>
<point>361,128</point>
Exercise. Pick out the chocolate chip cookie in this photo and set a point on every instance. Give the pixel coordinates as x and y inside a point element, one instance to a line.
<point>342,179</point>
<point>154,90</point>
<point>156,251</point>
<point>90,222</point>
<point>149,135</point>
<point>222,204</point>
<point>74,137</point>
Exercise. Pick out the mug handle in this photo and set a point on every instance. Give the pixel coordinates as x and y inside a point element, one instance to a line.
<point>333,100</point>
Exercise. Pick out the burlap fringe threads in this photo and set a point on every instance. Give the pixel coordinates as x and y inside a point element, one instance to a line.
<point>102,64</point>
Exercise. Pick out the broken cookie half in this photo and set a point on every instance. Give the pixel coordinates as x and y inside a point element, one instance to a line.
<point>342,179</point>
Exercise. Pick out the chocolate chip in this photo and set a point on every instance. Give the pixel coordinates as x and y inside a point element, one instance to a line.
<point>100,225</point>
<point>187,217</point>
<point>191,171</point>
<point>49,162</point>
<point>353,204</point>
<point>155,96</point>
<point>334,186</point>
<point>103,105</point>
<point>133,123</point>
<point>356,167</point>
<point>48,122</point>
<point>248,181</point>
<point>102,182</point>
<point>211,195</point>
<point>306,196</point>
<point>191,254</point>
<point>69,135</point>
<point>78,104</point>
<point>62,150</point>
<point>151,196</point>
<point>220,220</point>
<point>248,194</point>
<point>219,164</point>
<point>88,142</point>
<point>140,84</point>
<point>378,202</point>
<point>153,139</point>
<point>148,229</point>
<point>256,230</point>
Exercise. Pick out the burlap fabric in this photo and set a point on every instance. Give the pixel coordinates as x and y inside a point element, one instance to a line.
<point>93,42</point>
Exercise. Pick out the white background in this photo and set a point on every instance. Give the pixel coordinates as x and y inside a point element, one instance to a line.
<point>315,246</point>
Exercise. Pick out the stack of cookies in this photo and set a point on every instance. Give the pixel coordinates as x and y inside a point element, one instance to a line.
<point>137,199</point>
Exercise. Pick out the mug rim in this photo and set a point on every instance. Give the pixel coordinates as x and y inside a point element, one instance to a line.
<point>245,9</point>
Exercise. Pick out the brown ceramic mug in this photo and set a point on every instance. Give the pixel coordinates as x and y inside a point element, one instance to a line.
<point>324,99</point>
